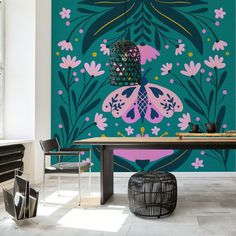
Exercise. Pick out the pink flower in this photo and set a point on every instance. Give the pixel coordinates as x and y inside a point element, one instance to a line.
<point>191,69</point>
<point>198,163</point>
<point>129,130</point>
<point>60,126</point>
<point>69,63</point>
<point>105,49</point>
<point>180,49</point>
<point>166,68</point>
<point>100,121</point>
<point>93,69</point>
<point>219,45</point>
<point>155,130</point>
<point>215,63</point>
<point>184,122</point>
<point>65,13</point>
<point>219,13</point>
<point>147,53</point>
<point>65,45</point>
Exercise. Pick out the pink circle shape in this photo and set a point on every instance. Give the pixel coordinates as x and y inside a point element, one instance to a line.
<point>198,119</point>
<point>203,31</point>
<point>60,126</point>
<point>172,81</point>
<point>67,23</point>
<point>82,71</point>
<point>179,40</point>
<point>217,23</point>
<point>202,153</point>
<point>177,64</point>
<point>224,126</point>
<point>87,118</point>
<point>60,92</point>
<point>74,73</point>
<point>167,46</point>
<point>81,31</point>
<point>224,91</point>
<point>202,71</point>
<point>208,79</point>
<point>76,79</point>
<point>210,74</point>
<point>105,40</point>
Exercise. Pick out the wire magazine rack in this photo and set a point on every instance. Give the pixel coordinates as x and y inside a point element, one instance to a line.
<point>21,202</point>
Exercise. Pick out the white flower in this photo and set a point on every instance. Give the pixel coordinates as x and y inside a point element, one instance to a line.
<point>184,122</point>
<point>100,121</point>
<point>155,130</point>
<point>105,49</point>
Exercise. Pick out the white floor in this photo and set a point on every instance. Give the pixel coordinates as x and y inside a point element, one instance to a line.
<point>206,206</point>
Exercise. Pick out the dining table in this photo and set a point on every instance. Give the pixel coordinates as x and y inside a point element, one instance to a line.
<point>109,144</point>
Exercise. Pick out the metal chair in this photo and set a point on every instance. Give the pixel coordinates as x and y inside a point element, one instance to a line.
<point>51,147</point>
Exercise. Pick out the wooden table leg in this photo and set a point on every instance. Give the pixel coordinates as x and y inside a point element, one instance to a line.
<point>106,174</point>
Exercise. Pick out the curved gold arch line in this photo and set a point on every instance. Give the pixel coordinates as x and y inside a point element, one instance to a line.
<point>177,2</point>
<point>107,2</point>
<point>113,20</point>
<point>162,14</point>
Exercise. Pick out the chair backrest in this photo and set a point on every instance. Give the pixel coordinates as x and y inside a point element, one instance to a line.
<point>49,145</point>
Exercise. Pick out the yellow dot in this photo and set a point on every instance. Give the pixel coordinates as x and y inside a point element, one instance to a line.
<point>76,39</point>
<point>208,40</point>
<point>190,54</point>
<point>156,77</point>
<point>227,53</point>
<point>94,54</point>
<point>103,135</point>
<point>58,53</point>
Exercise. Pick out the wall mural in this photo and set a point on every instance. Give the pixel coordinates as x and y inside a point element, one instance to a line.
<point>187,56</point>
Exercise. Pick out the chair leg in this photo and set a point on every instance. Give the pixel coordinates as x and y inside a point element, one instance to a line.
<point>90,170</point>
<point>44,189</point>
<point>79,184</point>
<point>59,184</point>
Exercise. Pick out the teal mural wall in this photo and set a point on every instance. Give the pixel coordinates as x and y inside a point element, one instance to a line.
<point>187,56</point>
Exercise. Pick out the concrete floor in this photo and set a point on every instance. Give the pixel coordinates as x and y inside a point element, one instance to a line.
<point>206,206</point>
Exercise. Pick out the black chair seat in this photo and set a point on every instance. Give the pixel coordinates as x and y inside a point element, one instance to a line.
<point>68,167</point>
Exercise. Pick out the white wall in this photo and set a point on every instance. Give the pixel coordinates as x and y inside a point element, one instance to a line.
<point>27,98</point>
<point>19,99</point>
<point>43,81</point>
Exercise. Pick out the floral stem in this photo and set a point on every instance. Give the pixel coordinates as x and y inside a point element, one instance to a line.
<point>196,102</point>
<point>94,123</point>
<point>68,94</point>
<point>216,92</point>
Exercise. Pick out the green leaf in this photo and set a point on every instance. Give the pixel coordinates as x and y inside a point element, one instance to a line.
<point>157,40</point>
<point>220,116</point>
<point>73,95</point>
<point>90,107</point>
<point>211,96</point>
<point>172,162</point>
<point>65,119</point>
<point>222,79</point>
<point>201,10</point>
<point>193,106</point>
<point>106,22</point>
<point>177,21</point>
<point>195,90</point>
<point>89,91</point>
<point>101,3</point>
<point>86,11</point>
<point>62,78</point>
<point>122,165</point>
<point>174,3</point>
<point>161,27</point>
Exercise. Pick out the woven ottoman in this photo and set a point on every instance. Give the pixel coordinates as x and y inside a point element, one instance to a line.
<point>152,194</point>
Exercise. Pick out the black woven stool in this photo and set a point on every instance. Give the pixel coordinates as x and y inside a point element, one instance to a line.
<point>152,194</point>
